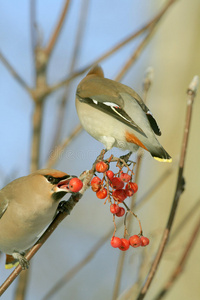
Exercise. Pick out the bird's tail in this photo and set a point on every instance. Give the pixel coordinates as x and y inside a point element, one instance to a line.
<point>161,154</point>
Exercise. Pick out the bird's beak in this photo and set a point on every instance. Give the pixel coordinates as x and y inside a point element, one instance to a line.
<point>63,185</point>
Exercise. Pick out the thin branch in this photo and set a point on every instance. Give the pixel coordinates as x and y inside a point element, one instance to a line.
<point>184,221</point>
<point>36,138</point>
<point>77,48</point>
<point>33,30</point>
<point>136,54</point>
<point>52,41</point>
<point>14,73</point>
<point>114,49</point>
<point>147,82</point>
<point>57,152</point>
<point>22,285</point>
<point>179,189</point>
<point>181,264</point>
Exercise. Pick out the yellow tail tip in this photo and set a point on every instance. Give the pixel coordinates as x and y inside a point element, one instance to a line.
<point>169,160</point>
<point>10,266</point>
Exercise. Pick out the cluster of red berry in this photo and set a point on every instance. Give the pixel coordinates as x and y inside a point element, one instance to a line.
<point>117,186</point>
<point>123,244</point>
<point>116,182</point>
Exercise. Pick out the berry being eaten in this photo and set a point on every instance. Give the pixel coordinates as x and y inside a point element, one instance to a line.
<point>75,185</point>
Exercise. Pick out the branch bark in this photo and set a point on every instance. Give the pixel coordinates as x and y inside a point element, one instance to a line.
<point>49,48</point>
<point>179,189</point>
<point>114,49</point>
<point>181,264</point>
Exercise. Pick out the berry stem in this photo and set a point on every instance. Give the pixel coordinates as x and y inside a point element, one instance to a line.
<point>130,211</point>
<point>114,225</point>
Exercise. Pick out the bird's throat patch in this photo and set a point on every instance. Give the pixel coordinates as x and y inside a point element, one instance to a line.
<point>131,138</point>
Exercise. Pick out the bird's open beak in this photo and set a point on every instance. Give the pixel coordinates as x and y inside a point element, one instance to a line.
<point>63,185</point>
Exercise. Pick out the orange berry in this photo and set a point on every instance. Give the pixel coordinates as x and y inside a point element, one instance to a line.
<point>119,195</point>
<point>102,193</point>
<point>135,241</point>
<point>115,242</point>
<point>121,212</point>
<point>125,245</point>
<point>144,241</point>
<point>75,185</point>
<point>101,167</point>
<point>114,208</point>
<point>125,177</point>
<point>116,183</point>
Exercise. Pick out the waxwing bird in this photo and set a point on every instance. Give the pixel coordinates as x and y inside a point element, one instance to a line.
<point>27,206</point>
<point>115,115</point>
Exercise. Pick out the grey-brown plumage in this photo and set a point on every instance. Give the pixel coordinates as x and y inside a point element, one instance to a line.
<point>115,115</point>
<point>27,205</point>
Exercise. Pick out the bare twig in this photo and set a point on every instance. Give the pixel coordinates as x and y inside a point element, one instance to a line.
<point>181,264</point>
<point>77,47</point>
<point>19,79</point>
<point>136,53</point>
<point>33,30</point>
<point>22,285</point>
<point>179,189</point>
<point>148,79</point>
<point>49,48</point>
<point>184,221</point>
<point>36,139</point>
<point>114,49</point>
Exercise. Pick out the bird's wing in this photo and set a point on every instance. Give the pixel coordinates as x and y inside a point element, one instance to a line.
<point>3,205</point>
<point>153,123</point>
<point>112,106</point>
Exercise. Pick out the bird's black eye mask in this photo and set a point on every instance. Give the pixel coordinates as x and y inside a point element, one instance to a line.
<point>55,180</point>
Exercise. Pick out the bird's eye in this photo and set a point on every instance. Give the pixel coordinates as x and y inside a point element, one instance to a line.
<point>50,179</point>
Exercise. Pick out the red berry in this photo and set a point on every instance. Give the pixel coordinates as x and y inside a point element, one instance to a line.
<point>110,174</point>
<point>115,242</point>
<point>114,208</point>
<point>75,185</point>
<point>121,212</point>
<point>119,195</point>
<point>129,192</point>
<point>101,194</point>
<point>117,183</point>
<point>96,187</point>
<point>96,183</point>
<point>125,245</point>
<point>95,179</point>
<point>133,186</point>
<point>101,167</point>
<point>125,177</point>
<point>135,241</point>
<point>144,241</point>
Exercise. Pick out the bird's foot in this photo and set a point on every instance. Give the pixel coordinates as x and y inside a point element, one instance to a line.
<point>64,206</point>
<point>126,156</point>
<point>24,263</point>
